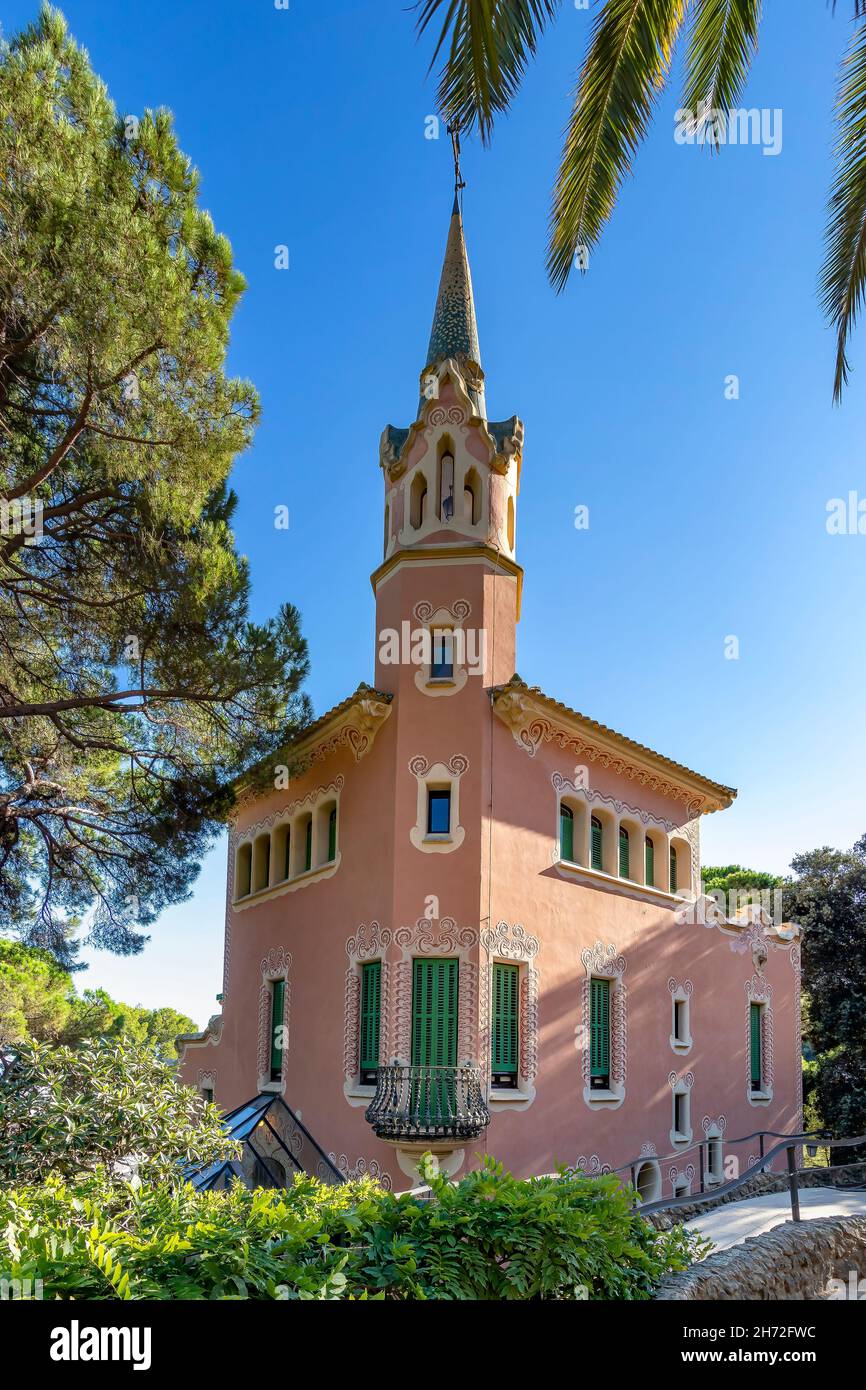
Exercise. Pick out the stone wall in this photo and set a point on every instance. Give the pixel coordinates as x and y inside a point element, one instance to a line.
<point>793,1261</point>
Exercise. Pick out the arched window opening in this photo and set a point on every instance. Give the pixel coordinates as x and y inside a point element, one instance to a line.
<point>243,871</point>
<point>418,500</point>
<point>566,833</point>
<point>472,498</point>
<point>261,862</point>
<point>649,862</point>
<point>446,485</point>
<point>596,844</point>
<point>673,870</point>
<point>623,852</point>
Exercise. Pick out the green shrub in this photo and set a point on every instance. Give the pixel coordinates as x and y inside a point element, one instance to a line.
<point>67,1111</point>
<point>489,1236</point>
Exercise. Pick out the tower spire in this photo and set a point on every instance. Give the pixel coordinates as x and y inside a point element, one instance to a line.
<point>455,328</point>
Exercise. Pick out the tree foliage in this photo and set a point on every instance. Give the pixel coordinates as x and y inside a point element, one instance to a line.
<point>133,684</point>
<point>827,897</point>
<point>486,46</point>
<point>39,1003</point>
<point>489,1237</point>
<point>67,1111</point>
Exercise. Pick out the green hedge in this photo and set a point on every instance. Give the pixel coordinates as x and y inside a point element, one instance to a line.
<point>489,1236</point>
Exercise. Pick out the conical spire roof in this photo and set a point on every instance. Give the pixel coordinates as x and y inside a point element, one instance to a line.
<point>455,329</point>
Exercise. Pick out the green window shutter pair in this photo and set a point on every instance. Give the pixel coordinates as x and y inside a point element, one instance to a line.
<point>332,834</point>
<point>596,857</point>
<point>673,870</point>
<point>566,833</point>
<point>756,1040</point>
<point>623,853</point>
<point>649,862</point>
<point>278,1008</point>
<point>599,1027</point>
<point>371,1009</point>
<point>434,1013</point>
<point>505,1015</point>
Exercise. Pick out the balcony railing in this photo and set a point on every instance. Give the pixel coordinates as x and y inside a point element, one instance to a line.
<point>415,1104</point>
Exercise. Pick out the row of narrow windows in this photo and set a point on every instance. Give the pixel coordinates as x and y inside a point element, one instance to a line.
<point>307,842</point>
<point>677,873</point>
<point>434,1027</point>
<point>419,504</point>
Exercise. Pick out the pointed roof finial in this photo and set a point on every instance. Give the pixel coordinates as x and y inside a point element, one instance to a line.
<point>459,181</point>
<point>455,329</point>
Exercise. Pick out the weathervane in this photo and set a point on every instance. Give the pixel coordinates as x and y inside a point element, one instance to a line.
<point>459,182</point>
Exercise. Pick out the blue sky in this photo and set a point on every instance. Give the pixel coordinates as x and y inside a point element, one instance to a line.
<point>707,515</point>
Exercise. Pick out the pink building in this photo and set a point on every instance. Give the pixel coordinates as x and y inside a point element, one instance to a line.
<point>464,917</point>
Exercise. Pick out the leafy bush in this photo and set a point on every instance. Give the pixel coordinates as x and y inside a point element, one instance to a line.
<point>66,1111</point>
<point>489,1236</point>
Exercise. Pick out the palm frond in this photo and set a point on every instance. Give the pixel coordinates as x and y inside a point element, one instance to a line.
<point>629,56</point>
<point>722,43</point>
<point>843,275</point>
<point>491,42</point>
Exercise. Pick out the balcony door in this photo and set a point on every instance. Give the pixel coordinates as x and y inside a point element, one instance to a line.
<point>434,1034</point>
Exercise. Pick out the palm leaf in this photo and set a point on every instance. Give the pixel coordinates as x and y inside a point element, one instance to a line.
<point>722,43</point>
<point>491,42</point>
<point>624,70</point>
<point>843,275</point>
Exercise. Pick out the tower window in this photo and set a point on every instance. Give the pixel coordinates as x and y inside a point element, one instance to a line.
<point>623,852</point>
<point>649,862</point>
<point>442,665</point>
<point>566,833</point>
<point>597,844</point>
<point>438,811</point>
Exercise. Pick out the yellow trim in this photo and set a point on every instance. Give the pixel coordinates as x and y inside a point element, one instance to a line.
<point>457,553</point>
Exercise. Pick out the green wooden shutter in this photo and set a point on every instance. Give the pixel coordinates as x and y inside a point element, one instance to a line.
<point>599,1028</point>
<point>308,847</point>
<point>623,852</point>
<point>755,1031</point>
<point>371,1006</point>
<point>673,870</point>
<point>505,1011</point>
<point>649,862</point>
<point>596,855</point>
<point>278,1004</point>
<point>434,1013</point>
<point>566,834</point>
<point>332,834</point>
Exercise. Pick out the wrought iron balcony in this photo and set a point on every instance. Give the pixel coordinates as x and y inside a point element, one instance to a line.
<point>418,1104</point>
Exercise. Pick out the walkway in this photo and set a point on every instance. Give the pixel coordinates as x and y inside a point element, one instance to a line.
<point>732,1222</point>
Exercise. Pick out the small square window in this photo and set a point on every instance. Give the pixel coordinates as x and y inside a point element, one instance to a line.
<point>438,811</point>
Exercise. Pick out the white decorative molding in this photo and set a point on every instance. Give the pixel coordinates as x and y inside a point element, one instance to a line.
<point>561,784</point>
<point>593,1165</point>
<point>361,1168</point>
<point>428,938</point>
<point>441,618</point>
<point>276,965</point>
<point>425,775</point>
<point>366,944</point>
<point>515,945</point>
<point>533,723</point>
<point>603,961</point>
